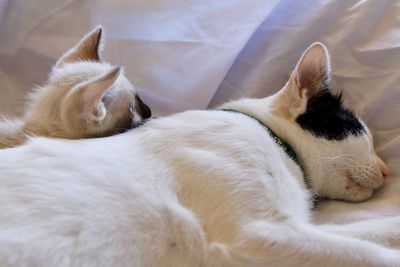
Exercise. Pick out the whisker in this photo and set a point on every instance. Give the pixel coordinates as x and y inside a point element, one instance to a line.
<point>371,113</point>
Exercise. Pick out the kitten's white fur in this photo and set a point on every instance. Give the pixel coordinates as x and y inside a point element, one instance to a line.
<point>83,97</point>
<point>199,188</point>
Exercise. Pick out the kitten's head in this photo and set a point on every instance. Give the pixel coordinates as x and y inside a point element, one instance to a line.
<point>335,146</point>
<point>85,96</point>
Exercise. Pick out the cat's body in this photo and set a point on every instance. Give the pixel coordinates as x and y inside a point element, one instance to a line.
<point>83,97</point>
<point>199,188</point>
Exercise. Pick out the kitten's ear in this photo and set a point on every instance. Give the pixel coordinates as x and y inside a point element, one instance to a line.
<point>93,93</point>
<point>89,48</point>
<point>310,75</point>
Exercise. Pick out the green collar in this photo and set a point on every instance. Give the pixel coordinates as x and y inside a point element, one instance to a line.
<point>286,147</point>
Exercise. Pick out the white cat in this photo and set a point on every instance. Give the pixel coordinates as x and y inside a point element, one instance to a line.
<point>84,97</point>
<point>202,188</point>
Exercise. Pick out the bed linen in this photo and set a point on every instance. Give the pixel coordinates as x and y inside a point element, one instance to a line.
<point>187,54</point>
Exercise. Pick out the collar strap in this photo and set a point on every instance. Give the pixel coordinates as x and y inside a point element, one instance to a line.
<point>286,147</point>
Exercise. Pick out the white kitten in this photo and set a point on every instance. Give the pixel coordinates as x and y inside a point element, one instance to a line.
<point>201,188</point>
<point>83,97</point>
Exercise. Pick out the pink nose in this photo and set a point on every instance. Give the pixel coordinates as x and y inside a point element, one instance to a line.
<point>384,168</point>
<point>385,173</point>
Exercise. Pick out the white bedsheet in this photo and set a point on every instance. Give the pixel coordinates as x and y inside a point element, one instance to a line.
<point>185,54</point>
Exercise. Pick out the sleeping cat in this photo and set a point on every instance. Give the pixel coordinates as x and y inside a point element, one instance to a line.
<point>84,97</point>
<point>227,187</point>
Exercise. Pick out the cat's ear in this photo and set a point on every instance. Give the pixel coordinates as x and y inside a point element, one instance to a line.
<point>93,93</point>
<point>311,74</point>
<point>89,48</point>
<point>312,70</point>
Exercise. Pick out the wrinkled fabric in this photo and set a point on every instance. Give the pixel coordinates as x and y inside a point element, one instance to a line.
<point>176,52</point>
<point>187,54</point>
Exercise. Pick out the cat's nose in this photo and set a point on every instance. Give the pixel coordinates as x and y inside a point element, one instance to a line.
<point>384,168</point>
<point>144,109</point>
<point>385,173</point>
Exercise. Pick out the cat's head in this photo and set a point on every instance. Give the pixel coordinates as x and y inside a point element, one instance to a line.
<point>85,96</point>
<point>335,146</point>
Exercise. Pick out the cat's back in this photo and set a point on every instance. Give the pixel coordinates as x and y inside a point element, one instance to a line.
<point>223,160</point>
<point>64,203</point>
<point>144,190</point>
<point>213,129</point>
<point>209,129</point>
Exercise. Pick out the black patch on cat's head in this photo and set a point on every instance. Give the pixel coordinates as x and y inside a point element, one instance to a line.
<point>326,117</point>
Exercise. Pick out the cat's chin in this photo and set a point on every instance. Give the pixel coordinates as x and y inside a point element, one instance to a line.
<point>133,126</point>
<point>356,189</point>
<point>350,188</point>
<point>139,123</point>
<point>368,181</point>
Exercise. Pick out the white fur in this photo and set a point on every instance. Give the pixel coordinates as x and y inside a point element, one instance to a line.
<point>199,188</point>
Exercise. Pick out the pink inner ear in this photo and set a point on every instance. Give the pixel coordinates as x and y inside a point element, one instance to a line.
<point>94,91</point>
<point>312,69</point>
<point>91,101</point>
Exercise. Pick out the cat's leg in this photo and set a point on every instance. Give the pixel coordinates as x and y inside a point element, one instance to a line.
<point>384,231</point>
<point>296,244</point>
